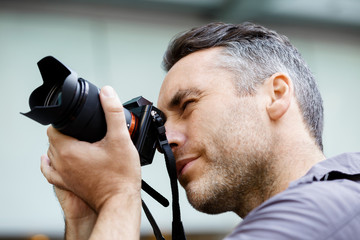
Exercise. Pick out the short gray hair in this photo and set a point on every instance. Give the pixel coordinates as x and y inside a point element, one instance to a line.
<point>255,53</point>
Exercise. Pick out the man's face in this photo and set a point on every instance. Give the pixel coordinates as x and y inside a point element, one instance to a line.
<point>219,138</point>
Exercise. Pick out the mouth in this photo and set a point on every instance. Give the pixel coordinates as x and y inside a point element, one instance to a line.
<point>183,164</point>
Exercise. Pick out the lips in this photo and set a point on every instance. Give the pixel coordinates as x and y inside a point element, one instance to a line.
<point>182,164</point>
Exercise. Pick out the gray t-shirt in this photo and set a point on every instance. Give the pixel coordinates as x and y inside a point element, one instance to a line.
<point>324,204</point>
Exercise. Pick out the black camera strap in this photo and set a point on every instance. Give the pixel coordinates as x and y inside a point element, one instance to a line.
<point>154,194</point>
<point>177,226</point>
<point>152,221</point>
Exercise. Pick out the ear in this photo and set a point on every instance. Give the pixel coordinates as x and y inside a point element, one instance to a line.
<point>280,88</point>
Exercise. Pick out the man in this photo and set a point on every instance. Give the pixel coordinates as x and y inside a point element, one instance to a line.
<point>244,119</point>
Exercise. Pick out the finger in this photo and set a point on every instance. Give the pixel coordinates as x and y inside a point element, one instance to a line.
<point>114,114</point>
<point>50,173</point>
<point>50,155</point>
<point>61,146</point>
<point>53,155</point>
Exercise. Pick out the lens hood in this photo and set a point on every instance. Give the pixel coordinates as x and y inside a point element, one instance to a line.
<point>69,103</point>
<point>54,74</point>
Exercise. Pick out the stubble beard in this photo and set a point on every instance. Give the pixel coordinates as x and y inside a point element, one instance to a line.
<point>239,173</point>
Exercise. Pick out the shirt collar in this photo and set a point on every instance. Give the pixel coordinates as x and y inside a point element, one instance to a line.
<point>346,163</point>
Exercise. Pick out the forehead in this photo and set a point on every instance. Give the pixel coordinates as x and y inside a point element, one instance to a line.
<point>199,70</point>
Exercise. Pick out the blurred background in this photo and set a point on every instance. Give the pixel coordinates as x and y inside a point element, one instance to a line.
<point>121,43</point>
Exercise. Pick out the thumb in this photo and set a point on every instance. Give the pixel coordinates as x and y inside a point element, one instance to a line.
<point>114,114</point>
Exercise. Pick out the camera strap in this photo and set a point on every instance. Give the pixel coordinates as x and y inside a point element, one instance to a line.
<point>152,221</point>
<point>177,226</point>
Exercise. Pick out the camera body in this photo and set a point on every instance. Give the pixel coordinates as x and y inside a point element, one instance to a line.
<point>145,135</point>
<point>73,107</point>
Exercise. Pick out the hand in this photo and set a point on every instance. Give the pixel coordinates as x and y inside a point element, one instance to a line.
<point>73,207</point>
<point>99,171</point>
<point>79,217</point>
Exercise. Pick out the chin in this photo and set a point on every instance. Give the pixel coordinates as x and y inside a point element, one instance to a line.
<point>208,207</point>
<point>206,201</point>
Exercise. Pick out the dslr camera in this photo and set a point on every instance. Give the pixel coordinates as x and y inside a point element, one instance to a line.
<point>73,107</point>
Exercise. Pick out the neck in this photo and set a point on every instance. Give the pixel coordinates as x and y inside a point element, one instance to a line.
<point>295,150</point>
<point>295,164</point>
<point>289,164</point>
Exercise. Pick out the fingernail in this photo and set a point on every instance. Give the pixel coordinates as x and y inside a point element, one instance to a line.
<point>107,91</point>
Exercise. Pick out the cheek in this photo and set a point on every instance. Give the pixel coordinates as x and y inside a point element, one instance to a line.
<point>205,137</point>
<point>202,125</point>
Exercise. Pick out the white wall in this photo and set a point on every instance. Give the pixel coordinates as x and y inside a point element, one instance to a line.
<point>124,50</point>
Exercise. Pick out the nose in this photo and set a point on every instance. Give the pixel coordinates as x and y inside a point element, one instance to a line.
<point>175,135</point>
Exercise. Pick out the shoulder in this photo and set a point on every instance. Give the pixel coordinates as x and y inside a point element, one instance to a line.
<point>316,210</point>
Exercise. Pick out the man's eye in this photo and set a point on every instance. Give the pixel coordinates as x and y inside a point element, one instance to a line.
<point>186,103</point>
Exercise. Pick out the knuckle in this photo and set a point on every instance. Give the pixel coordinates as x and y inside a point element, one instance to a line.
<point>115,111</point>
<point>65,151</point>
<point>50,179</point>
<point>113,105</point>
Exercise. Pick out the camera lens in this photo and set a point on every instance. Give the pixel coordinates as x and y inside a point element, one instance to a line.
<point>72,105</point>
<point>69,103</point>
<point>54,96</point>
<point>82,115</point>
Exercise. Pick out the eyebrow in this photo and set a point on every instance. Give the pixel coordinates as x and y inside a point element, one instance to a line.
<point>181,94</point>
